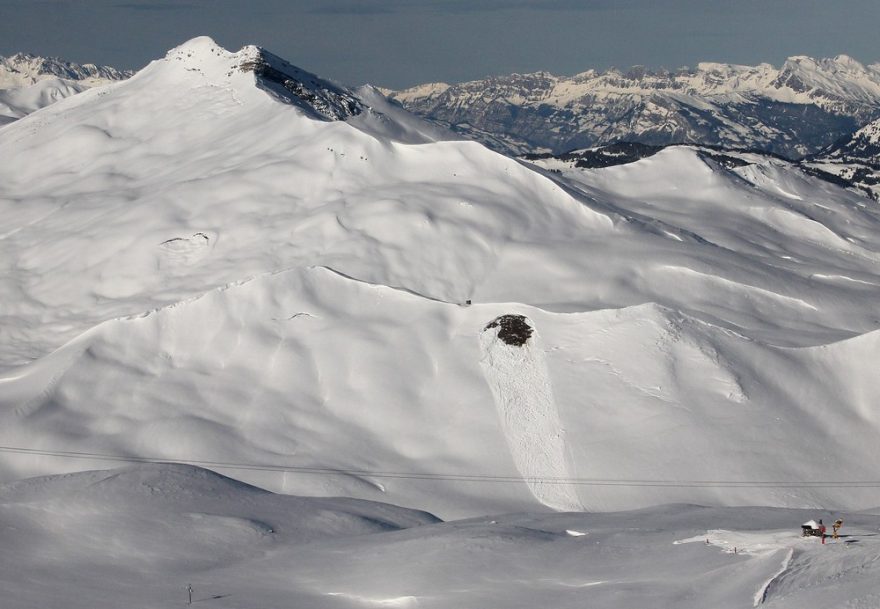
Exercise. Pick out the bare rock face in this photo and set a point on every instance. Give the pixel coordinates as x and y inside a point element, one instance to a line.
<point>515,329</point>
<point>293,85</point>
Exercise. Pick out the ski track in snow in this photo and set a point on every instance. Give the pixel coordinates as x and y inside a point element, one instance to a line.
<point>520,384</point>
<point>761,595</point>
<point>399,601</point>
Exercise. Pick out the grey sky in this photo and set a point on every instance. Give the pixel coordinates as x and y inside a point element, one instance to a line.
<point>398,43</point>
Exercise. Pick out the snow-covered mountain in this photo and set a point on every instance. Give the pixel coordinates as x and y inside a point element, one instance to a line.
<point>799,108</point>
<point>852,163</point>
<point>24,69</point>
<point>227,261</point>
<point>862,147</point>
<point>854,160</point>
<point>29,82</point>
<point>230,263</point>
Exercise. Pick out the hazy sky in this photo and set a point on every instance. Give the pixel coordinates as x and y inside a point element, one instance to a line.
<point>398,43</point>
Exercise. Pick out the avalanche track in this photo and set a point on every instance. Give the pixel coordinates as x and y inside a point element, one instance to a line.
<point>517,374</point>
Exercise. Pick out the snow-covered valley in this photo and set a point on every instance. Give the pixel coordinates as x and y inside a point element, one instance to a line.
<point>139,537</point>
<point>227,262</point>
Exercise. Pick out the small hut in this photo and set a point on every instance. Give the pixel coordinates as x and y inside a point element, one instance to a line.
<point>810,529</point>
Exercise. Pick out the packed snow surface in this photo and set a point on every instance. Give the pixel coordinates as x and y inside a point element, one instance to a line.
<point>198,264</point>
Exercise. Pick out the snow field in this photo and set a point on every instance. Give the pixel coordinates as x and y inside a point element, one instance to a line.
<point>137,536</point>
<point>16,103</point>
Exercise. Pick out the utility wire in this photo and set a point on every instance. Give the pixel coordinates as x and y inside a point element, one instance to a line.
<point>482,478</point>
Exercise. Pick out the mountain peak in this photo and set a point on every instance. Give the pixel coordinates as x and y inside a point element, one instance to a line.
<point>197,45</point>
<point>848,62</point>
<point>828,65</point>
<point>284,81</point>
<point>203,55</point>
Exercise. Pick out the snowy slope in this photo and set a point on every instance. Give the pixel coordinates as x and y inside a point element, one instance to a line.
<point>302,370</point>
<point>23,69</point>
<point>138,537</point>
<point>15,103</point>
<point>29,82</point>
<point>203,263</point>
<point>222,183</point>
<point>801,107</point>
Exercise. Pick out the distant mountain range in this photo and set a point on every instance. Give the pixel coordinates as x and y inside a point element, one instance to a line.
<point>854,160</point>
<point>799,109</point>
<point>24,69</point>
<point>29,82</point>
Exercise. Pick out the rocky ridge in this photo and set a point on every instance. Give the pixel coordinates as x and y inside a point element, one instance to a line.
<point>294,85</point>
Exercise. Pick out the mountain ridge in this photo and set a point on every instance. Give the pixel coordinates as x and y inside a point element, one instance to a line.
<point>722,104</point>
<point>24,69</point>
